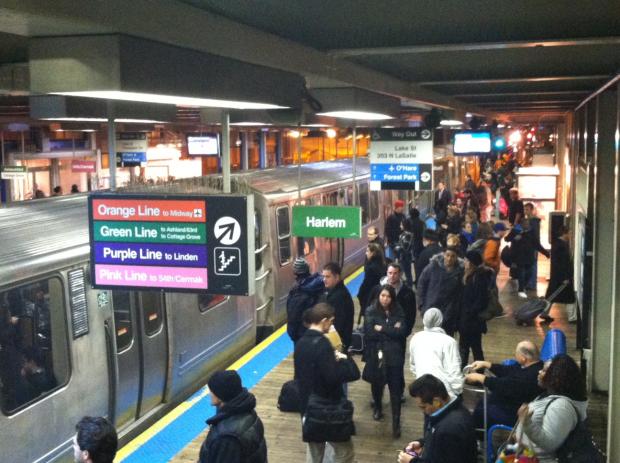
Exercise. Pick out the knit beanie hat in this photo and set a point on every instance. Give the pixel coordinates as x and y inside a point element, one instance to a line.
<point>399,203</point>
<point>226,385</point>
<point>433,318</point>
<point>474,257</point>
<point>300,266</point>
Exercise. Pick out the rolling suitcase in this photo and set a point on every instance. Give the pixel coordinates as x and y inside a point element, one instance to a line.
<point>527,313</point>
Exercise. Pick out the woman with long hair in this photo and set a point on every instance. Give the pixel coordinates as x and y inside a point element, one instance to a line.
<point>384,326</point>
<point>476,281</point>
<point>374,270</point>
<point>546,422</point>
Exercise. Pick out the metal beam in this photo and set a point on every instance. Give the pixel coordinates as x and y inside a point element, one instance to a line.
<point>459,47</point>
<point>207,32</point>
<point>527,103</point>
<point>514,80</point>
<point>501,94</point>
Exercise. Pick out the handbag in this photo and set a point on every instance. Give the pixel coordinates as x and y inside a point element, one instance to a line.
<point>494,307</point>
<point>327,420</point>
<point>374,370</point>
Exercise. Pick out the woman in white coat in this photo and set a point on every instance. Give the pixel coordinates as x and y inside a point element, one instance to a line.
<point>433,352</point>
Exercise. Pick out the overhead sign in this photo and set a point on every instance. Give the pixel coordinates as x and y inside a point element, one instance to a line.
<point>13,172</point>
<point>327,221</point>
<point>401,159</point>
<point>78,165</point>
<point>177,243</point>
<point>131,149</point>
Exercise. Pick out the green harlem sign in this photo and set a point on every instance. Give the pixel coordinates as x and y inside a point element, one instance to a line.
<point>327,221</point>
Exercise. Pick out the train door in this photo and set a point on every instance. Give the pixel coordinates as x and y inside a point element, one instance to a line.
<point>335,245</point>
<point>141,354</point>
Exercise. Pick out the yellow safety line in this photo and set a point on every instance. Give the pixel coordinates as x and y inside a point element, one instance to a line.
<point>143,438</point>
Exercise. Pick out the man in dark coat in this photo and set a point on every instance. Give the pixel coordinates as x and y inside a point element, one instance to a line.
<point>512,385</point>
<point>337,295</point>
<point>515,207</point>
<point>373,236</point>
<point>523,249</point>
<point>449,434</point>
<point>440,286</point>
<point>392,227</point>
<point>562,273</point>
<point>430,239</point>
<point>303,295</point>
<point>236,433</point>
<point>321,372</point>
<point>417,227</point>
<point>443,197</point>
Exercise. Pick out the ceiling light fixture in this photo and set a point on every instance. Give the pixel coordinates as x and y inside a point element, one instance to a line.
<point>360,115</point>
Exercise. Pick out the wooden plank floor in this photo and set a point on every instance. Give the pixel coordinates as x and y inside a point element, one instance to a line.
<point>374,442</point>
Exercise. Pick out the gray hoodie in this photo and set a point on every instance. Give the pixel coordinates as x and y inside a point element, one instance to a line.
<point>545,431</point>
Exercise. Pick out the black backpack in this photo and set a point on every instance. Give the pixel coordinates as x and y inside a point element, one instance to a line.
<point>288,401</point>
<point>579,447</point>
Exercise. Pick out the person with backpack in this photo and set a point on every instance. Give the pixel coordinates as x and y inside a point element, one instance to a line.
<point>303,295</point>
<point>404,250</point>
<point>553,425</point>
<point>476,281</point>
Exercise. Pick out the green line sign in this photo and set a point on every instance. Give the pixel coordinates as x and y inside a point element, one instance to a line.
<point>150,232</point>
<point>327,221</point>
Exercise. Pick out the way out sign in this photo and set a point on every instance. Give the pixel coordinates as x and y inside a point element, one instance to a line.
<point>327,221</point>
<point>180,243</point>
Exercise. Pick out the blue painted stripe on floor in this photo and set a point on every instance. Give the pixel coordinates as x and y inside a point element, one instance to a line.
<point>174,437</point>
<point>164,445</point>
<point>354,285</point>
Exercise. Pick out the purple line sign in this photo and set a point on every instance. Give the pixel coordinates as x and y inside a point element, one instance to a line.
<point>151,254</point>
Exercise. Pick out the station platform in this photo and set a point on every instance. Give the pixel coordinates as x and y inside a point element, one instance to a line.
<point>178,436</point>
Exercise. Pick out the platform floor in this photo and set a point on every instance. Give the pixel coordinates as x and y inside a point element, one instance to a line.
<point>374,442</point>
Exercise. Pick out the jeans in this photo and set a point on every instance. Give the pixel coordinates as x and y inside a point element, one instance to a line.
<point>523,275</point>
<point>343,452</point>
<point>532,281</point>
<point>405,262</point>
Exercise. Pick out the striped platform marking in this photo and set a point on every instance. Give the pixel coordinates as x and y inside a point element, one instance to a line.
<point>179,427</point>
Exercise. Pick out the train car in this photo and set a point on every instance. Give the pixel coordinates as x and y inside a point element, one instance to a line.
<point>68,350</point>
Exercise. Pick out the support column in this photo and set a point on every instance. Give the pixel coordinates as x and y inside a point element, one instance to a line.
<point>225,151</point>
<point>54,174</point>
<point>262,149</point>
<point>613,420</point>
<point>244,151</point>
<point>112,151</point>
<point>279,147</point>
<point>604,232</point>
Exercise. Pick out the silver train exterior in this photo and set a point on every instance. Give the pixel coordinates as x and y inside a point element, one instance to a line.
<point>133,355</point>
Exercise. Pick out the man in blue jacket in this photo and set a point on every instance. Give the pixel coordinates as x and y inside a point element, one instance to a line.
<point>304,294</point>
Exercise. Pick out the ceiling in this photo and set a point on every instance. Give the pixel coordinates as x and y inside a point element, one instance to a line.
<point>527,60</point>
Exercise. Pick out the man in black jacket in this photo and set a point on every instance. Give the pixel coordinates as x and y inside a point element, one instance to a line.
<point>512,385</point>
<point>236,432</point>
<point>337,295</point>
<point>430,240</point>
<point>443,197</point>
<point>392,227</point>
<point>304,294</point>
<point>321,371</point>
<point>449,435</point>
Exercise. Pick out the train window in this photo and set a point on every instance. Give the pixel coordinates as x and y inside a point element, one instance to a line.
<point>152,311</point>
<point>374,205</point>
<point>284,234</point>
<point>208,301</point>
<point>257,240</point>
<point>363,201</point>
<point>34,355</point>
<point>122,319</point>
<point>331,199</point>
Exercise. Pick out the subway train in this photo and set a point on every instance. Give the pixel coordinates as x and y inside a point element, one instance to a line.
<point>68,350</point>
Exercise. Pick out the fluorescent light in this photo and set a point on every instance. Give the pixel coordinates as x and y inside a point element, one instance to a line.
<point>249,124</point>
<point>318,126</point>
<point>361,115</point>
<point>331,133</point>
<point>450,123</point>
<point>294,134</point>
<point>170,99</point>
<point>101,119</point>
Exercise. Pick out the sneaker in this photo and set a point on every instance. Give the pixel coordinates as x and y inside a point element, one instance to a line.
<point>522,294</point>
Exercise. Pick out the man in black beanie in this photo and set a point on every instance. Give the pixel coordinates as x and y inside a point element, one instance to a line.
<point>430,240</point>
<point>306,292</point>
<point>236,433</point>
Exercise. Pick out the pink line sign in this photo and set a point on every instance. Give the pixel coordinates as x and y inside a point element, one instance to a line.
<point>151,276</point>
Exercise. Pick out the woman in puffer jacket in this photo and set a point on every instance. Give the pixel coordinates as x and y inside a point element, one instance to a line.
<point>546,422</point>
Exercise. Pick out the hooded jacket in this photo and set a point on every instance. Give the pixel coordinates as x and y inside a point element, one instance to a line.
<point>441,288</point>
<point>236,433</point>
<point>303,295</point>
<point>435,353</point>
<point>553,418</point>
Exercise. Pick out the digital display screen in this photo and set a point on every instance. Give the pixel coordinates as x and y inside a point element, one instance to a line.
<point>203,145</point>
<point>471,142</point>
